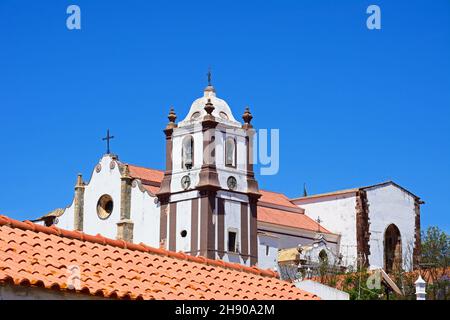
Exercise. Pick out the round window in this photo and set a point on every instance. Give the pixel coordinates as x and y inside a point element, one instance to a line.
<point>105,206</point>
<point>183,233</point>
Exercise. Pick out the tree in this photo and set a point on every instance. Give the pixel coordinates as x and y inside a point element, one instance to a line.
<point>435,258</point>
<point>435,244</point>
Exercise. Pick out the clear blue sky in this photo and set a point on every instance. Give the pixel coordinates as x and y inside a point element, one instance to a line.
<point>354,107</point>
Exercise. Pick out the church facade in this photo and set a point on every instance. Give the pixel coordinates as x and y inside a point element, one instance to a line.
<point>207,202</point>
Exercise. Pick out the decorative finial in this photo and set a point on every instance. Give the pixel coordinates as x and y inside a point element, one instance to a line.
<point>172,117</point>
<point>209,76</point>
<point>209,107</point>
<point>126,172</point>
<point>247,117</point>
<point>80,182</point>
<point>305,192</point>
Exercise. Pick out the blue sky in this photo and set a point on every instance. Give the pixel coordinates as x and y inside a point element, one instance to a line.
<point>354,107</point>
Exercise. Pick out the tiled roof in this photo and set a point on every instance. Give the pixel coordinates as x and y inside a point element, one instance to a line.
<point>38,256</point>
<point>353,190</point>
<point>289,219</point>
<point>146,174</point>
<point>276,198</point>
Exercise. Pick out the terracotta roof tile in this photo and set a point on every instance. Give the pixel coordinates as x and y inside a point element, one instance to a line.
<point>34,255</point>
<point>145,174</point>
<point>289,219</point>
<point>276,198</point>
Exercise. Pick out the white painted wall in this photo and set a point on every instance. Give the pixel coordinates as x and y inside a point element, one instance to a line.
<point>321,290</point>
<point>145,214</point>
<point>387,205</point>
<point>107,181</point>
<point>177,171</point>
<point>224,172</point>
<point>268,251</point>
<point>338,215</point>
<point>183,222</point>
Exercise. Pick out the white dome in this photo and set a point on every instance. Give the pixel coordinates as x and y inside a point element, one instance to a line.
<point>221,112</point>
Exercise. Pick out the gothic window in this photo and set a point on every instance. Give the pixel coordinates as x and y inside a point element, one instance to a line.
<point>230,152</point>
<point>188,153</point>
<point>392,248</point>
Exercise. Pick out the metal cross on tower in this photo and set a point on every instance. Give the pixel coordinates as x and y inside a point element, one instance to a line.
<point>209,76</point>
<point>107,139</point>
<point>318,223</point>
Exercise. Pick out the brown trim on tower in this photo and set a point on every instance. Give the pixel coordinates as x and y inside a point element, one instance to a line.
<point>164,190</point>
<point>252,184</point>
<point>208,178</point>
<point>194,225</point>
<point>417,237</point>
<point>253,231</point>
<point>207,234</point>
<point>163,225</point>
<point>362,229</point>
<point>220,227</point>
<point>244,231</point>
<point>173,226</point>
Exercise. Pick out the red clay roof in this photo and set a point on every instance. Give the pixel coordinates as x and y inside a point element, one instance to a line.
<point>289,219</point>
<point>276,198</point>
<point>146,174</point>
<point>35,255</point>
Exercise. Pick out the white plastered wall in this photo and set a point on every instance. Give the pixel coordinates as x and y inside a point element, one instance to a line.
<point>338,215</point>
<point>390,205</point>
<point>268,251</point>
<point>106,181</point>
<point>145,214</point>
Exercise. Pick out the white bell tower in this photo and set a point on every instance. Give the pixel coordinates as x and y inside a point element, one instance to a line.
<point>209,194</point>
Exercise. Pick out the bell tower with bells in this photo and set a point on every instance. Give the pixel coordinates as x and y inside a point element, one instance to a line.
<point>208,196</point>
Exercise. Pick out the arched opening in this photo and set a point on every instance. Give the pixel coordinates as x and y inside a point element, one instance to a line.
<point>323,256</point>
<point>187,153</point>
<point>392,249</point>
<point>230,152</point>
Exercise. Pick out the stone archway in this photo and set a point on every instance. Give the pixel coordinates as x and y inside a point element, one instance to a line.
<point>392,249</point>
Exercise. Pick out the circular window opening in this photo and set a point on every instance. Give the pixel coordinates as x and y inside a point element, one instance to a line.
<point>183,233</point>
<point>105,206</point>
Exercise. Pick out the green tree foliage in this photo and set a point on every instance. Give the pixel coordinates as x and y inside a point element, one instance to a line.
<point>435,258</point>
<point>435,244</point>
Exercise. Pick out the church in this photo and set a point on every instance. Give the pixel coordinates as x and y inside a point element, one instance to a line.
<point>207,203</point>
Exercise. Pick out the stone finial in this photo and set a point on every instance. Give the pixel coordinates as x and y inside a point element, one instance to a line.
<point>80,182</point>
<point>247,117</point>
<point>126,172</point>
<point>209,107</point>
<point>172,117</point>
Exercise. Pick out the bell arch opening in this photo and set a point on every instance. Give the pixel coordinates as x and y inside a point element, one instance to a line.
<point>392,249</point>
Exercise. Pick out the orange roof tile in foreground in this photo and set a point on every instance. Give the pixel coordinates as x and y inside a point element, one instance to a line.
<point>284,218</point>
<point>34,255</point>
